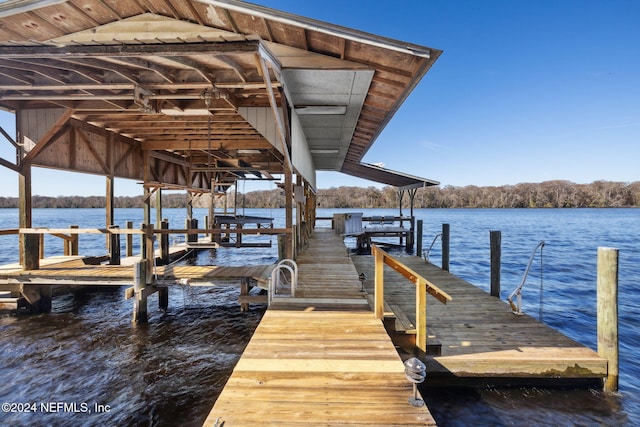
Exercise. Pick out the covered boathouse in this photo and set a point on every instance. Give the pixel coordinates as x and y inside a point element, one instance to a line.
<point>196,95</point>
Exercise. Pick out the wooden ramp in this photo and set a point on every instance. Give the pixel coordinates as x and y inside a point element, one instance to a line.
<point>478,333</point>
<point>321,359</point>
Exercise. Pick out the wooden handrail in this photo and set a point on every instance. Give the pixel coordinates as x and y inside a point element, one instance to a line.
<point>423,286</point>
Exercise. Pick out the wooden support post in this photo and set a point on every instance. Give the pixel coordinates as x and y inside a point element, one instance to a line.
<point>445,239</point>
<point>149,254</point>
<point>109,209</point>
<point>212,215</point>
<point>379,282</point>
<point>25,199</point>
<point>282,243</point>
<point>140,298</point>
<point>71,245</point>
<point>217,237</point>
<point>31,251</point>
<point>46,295</point>
<point>189,204</point>
<point>607,284</point>
<point>421,315</point>
<point>41,247</point>
<point>38,298</point>
<point>163,298</point>
<point>114,246</point>
<point>288,194</point>
<point>164,242</point>
<point>147,206</point>
<point>66,246</point>
<point>129,240</point>
<point>294,241</point>
<point>146,220</point>
<point>244,290</point>
<point>410,236</point>
<point>419,238</point>
<point>143,241</point>
<point>239,236</point>
<point>158,208</point>
<point>496,254</point>
<point>191,223</point>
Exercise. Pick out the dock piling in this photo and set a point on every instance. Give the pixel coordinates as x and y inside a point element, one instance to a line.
<point>163,298</point>
<point>419,238</point>
<point>129,240</point>
<point>114,245</point>
<point>495,237</point>
<point>445,246</point>
<point>607,284</point>
<point>164,242</point>
<point>140,298</point>
<point>31,251</point>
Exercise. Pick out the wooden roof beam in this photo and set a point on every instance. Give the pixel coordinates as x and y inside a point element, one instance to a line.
<point>166,73</point>
<point>131,50</point>
<point>203,144</point>
<point>36,69</point>
<point>124,72</point>
<point>56,66</point>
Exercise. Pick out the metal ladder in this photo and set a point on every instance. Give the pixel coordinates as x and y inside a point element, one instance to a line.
<point>277,276</point>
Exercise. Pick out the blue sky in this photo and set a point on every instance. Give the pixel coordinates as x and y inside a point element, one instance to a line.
<point>525,91</point>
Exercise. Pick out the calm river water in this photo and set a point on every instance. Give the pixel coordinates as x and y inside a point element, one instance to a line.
<point>88,362</point>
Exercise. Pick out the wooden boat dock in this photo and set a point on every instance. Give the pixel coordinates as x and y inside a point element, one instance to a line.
<point>320,358</point>
<point>477,335</point>
<point>65,271</point>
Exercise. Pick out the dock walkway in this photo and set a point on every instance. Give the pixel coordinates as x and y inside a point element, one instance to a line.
<point>479,335</point>
<point>320,359</point>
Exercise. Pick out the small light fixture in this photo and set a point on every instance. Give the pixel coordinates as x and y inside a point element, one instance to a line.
<point>324,151</point>
<point>416,372</point>
<point>338,110</point>
<point>362,277</point>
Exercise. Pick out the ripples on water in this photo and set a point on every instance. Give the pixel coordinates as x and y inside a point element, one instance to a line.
<point>169,371</point>
<point>166,373</point>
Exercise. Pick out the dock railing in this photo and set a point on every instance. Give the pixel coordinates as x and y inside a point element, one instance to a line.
<point>423,286</point>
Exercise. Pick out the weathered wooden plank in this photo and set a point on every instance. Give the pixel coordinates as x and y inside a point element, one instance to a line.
<point>296,375</point>
<point>311,367</point>
<point>479,334</point>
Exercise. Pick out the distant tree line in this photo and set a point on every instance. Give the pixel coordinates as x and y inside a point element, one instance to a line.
<point>548,194</point>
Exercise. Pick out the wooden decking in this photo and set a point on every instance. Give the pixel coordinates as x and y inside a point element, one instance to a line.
<point>66,271</point>
<point>74,271</point>
<point>320,359</point>
<point>478,333</point>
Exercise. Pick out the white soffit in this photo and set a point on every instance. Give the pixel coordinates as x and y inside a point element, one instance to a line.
<point>328,103</point>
